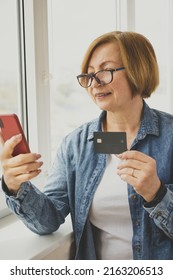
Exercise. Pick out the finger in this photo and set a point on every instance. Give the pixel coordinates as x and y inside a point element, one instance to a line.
<point>21,159</point>
<point>130,172</point>
<point>134,155</point>
<point>22,178</point>
<point>129,179</point>
<point>131,163</point>
<point>9,146</point>
<point>29,176</point>
<point>25,169</point>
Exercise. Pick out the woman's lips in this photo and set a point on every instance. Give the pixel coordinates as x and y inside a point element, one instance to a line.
<point>102,95</point>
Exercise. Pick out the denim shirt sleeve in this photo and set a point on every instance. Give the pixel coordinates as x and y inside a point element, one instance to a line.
<point>162,214</point>
<point>43,212</point>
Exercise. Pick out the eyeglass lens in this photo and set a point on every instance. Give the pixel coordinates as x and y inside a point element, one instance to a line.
<point>102,77</point>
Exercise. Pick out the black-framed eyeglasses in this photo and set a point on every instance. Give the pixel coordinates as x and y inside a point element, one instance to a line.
<point>102,77</point>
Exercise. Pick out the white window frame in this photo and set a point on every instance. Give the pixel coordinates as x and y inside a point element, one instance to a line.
<point>38,92</point>
<point>34,83</point>
<point>4,211</point>
<point>125,20</point>
<point>125,11</point>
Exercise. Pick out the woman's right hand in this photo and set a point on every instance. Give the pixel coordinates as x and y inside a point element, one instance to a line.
<point>19,169</point>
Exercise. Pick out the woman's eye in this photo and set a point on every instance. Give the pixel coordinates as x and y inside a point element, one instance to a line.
<point>90,73</point>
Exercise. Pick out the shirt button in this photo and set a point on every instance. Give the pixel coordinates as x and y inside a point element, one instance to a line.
<point>138,248</point>
<point>134,196</point>
<point>137,223</point>
<point>159,214</point>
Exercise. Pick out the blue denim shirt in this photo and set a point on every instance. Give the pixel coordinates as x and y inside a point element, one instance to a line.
<point>75,175</point>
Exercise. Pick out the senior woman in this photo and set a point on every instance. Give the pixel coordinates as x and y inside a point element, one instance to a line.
<point>121,205</point>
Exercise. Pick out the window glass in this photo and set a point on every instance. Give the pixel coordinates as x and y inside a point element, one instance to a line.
<point>9,68</point>
<point>152,20</point>
<point>73,25</point>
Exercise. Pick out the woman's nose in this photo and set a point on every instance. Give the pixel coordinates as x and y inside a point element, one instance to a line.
<point>95,82</point>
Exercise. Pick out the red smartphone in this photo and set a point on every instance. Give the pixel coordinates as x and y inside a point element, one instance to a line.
<point>10,126</point>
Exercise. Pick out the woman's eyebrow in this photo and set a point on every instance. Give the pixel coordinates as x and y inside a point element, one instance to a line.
<point>108,62</point>
<point>104,63</point>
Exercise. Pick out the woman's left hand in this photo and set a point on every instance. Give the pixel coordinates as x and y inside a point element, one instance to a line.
<point>139,170</point>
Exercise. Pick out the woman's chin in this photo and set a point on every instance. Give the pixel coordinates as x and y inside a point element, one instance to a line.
<point>104,107</point>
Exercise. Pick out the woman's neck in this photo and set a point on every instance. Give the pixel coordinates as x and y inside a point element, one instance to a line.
<point>126,120</point>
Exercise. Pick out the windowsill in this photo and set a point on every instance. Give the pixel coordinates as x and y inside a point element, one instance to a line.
<point>17,242</point>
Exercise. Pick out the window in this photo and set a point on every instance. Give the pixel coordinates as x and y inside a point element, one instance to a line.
<point>154,20</point>
<point>10,98</point>
<point>23,55</point>
<point>9,58</point>
<point>72,27</point>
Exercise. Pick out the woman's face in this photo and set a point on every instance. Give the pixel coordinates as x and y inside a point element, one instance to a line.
<point>116,95</point>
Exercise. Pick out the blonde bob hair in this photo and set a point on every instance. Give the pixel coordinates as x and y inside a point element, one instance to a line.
<point>138,58</point>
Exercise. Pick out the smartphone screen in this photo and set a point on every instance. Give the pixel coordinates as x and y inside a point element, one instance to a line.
<point>10,126</point>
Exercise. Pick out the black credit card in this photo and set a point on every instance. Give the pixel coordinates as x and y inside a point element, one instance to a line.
<point>110,142</point>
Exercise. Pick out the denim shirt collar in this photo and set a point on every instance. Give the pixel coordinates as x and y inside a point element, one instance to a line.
<point>149,123</point>
<point>96,125</point>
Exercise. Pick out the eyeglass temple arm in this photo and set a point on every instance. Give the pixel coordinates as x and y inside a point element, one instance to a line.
<point>120,68</point>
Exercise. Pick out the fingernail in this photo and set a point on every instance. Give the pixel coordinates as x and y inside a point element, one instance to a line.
<point>118,155</point>
<point>38,156</point>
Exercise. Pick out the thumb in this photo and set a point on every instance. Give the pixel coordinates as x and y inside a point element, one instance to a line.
<point>9,146</point>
